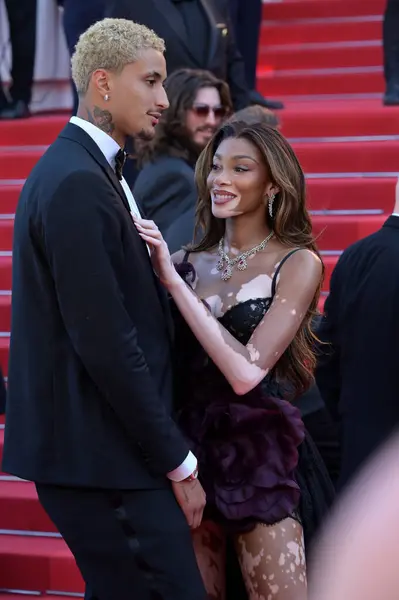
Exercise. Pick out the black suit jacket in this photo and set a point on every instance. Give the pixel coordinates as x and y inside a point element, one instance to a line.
<point>223,57</point>
<point>165,188</point>
<point>90,389</point>
<point>358,375</point>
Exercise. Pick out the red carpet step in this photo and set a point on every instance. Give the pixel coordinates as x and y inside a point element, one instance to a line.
<point>17,596</point>
<point>321,9</point>
<point>5,314</point>
<point>38,563</point>
<point>349,193</point>
<point>326,31</point>
<point>315,83</point>
<point>5,270</point>
<point>352,193</point>
<point>8,198</point>
<point>338,118</point>
<point>340,157</point>
<point>320,56</point>
<point>299,119</point>
<point>338,232</point>
<point>4,348</point>
<point>352,157</point>
<point>21,510</point>
<point>6,234</point>
<point>26,132</point>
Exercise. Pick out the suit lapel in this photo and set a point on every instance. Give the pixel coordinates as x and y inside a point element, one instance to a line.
<point>170,13</point>
<point>77,134</point>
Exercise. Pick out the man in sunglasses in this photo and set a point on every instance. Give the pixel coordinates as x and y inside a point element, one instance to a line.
<point>199,103</point>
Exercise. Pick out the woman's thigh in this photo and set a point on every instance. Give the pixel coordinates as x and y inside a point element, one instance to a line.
<point>272,560</point>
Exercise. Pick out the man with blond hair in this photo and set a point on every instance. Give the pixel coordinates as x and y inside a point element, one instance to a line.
<point>89,412</point>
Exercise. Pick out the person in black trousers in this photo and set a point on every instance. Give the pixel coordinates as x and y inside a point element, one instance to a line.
<point>246,16</point>
<point>391,52</point>
<point>90,401</point>
<point>22,24</point>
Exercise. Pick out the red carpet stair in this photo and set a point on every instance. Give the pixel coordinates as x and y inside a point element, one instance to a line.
<point>324,59</point>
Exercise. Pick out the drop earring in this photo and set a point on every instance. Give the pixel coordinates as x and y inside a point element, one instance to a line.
<point>106,97</point>
<point>270,204</point>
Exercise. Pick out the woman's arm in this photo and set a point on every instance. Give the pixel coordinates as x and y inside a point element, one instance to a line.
<point>244,366</point>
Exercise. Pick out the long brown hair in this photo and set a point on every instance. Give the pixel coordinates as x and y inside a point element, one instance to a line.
<point>172,137</point>
<point>290,223</point>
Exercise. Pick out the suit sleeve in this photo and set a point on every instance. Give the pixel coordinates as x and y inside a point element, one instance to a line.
<point>82,233</point>
<point>166,193</point>
<point>328,362</point>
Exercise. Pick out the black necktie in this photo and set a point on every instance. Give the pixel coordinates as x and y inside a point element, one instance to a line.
<point>120,160</point>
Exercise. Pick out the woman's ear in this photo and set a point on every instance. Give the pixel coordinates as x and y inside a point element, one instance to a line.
<point>271,189</point>
<point>275,189</point>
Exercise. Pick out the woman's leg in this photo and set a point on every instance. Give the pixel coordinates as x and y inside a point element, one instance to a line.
<point>210,549</point>
<point>272,560</point>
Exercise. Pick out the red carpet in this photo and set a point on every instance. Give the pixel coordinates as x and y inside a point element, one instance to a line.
<point>16,596</point>
<point>308,83</point>
<point>37,563</point>
<point>283,10</point>
<point>324,59</point>
<point>305,31</point>
<point>306,57</point>
<point>315,157</point>
<point>20,510</point>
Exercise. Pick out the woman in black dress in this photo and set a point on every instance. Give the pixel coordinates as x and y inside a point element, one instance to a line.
<point>246,295</point>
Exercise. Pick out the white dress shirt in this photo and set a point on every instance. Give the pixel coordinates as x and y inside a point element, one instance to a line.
<point>109,147</point>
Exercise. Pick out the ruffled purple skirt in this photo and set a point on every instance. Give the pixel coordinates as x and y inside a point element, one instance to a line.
<point>248,454</point>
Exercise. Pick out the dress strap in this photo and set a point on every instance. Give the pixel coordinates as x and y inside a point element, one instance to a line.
<point>186,255</point>
<point>286,257</point>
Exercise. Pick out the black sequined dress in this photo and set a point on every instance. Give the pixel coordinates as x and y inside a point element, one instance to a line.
<point>257,463</point>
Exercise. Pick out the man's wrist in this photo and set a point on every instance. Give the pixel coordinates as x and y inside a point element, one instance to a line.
<point>186,469</point>
<point>193,476</point>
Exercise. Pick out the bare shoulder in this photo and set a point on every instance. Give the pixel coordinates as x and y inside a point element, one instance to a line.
<point>177,257</point>
<point>303,266</point>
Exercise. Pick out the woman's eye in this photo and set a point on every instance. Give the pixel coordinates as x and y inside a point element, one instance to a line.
<point>215,167</point>
<point>150,81</point>
<point>241,169</point>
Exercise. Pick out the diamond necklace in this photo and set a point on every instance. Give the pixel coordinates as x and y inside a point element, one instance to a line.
<point>226,264</point>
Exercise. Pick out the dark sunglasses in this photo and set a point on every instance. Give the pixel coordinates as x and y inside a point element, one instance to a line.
<point>203,110</point>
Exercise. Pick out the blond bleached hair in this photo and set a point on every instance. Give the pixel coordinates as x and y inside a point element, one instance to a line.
<point>110,44</point>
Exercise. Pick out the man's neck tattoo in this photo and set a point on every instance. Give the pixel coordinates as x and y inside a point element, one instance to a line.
<point>101,118</point>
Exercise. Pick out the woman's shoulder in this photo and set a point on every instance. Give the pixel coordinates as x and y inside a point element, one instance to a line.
<point>300,262</point>
<point>179,256</point>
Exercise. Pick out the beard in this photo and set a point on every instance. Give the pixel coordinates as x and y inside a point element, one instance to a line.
<point>146,135</point>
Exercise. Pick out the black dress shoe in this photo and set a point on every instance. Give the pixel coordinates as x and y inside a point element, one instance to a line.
<point>18,109</point>
<point>257,98</point>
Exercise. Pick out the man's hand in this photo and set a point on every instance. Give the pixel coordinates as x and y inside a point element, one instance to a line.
<point>191,499</point>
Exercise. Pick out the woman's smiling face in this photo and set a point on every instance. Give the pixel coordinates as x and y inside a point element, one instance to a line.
<point>239,181</point>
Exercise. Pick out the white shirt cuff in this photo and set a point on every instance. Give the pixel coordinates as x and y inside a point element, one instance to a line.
<point>185,469</point>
